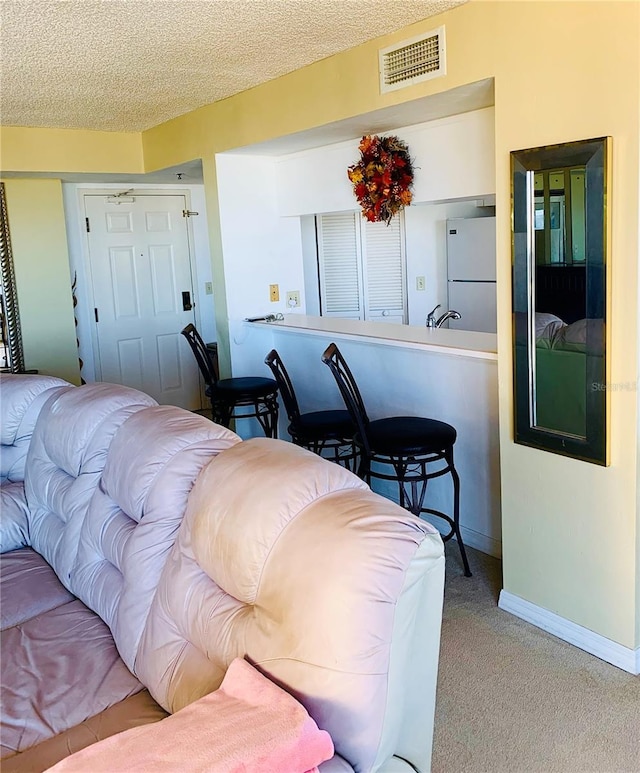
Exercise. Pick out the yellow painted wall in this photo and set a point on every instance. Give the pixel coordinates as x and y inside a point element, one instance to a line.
<point>41,261</point>
<point>215,242</point>
<point>563,71</point>
<point>27,149</point>
<point>570,528</point>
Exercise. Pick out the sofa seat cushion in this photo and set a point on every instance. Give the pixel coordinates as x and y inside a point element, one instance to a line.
<point>28,587</point>
<point>58,669</point>
<point>138,709</point>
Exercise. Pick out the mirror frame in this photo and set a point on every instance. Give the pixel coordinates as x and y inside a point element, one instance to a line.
<point>9,291</point>
<point>594,156</point>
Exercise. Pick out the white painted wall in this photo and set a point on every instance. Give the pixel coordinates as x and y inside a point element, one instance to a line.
<point>310,263</point>
<point>259,248</point>
<point>78,259</point>
<point>453,158</point>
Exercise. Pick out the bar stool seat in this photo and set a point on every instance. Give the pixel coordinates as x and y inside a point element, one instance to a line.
<point>317,425</point>
<point>241,387</point>
<point>256,396</point>
<point>409,435</point>
<point>328,433</point>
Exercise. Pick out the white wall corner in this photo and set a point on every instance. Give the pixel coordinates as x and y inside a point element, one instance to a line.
<point>589,641</point>
<point>472,538</point>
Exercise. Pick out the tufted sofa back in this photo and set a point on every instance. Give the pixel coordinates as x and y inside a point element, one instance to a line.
<point>332,591</point>
<point>134,515</point>
<point>21,400</point>
<point>66,457</point>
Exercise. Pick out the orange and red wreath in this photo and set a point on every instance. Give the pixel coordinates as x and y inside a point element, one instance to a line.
<point>383,177</point>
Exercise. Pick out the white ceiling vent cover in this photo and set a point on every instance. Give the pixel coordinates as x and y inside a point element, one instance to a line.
<point>412,61</point>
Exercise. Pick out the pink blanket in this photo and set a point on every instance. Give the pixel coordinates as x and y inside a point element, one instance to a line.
<point>249,725</point>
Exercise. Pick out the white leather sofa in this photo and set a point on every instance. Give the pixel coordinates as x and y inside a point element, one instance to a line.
<point>147,548</point>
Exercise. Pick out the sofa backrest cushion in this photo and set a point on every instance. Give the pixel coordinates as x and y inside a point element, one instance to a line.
<point>66,458</point>
<point>133,517</point>
<point>292,562</point>
<point>21,399</point>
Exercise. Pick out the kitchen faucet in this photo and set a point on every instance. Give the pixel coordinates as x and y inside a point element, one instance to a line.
<point>432,322</point>
<point>448,315</point>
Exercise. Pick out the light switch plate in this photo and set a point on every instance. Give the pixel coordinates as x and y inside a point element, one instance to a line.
<point>420,283</point>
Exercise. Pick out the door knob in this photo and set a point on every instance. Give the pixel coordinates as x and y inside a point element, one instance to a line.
<point>186,301</point>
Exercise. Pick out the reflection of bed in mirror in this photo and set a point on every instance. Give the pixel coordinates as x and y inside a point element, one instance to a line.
<point>561,371</point>
<point>560,348</point>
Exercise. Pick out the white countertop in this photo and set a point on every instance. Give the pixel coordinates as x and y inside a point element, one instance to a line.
<point>464,343</point>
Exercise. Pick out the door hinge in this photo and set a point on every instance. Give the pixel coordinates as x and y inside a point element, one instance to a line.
<point>188,213</point>
<point>86,220</point>
<point>95,313</point>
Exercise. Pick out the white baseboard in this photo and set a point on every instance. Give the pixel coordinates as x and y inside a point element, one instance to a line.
<point>471,538</point>
<point>589,641</point>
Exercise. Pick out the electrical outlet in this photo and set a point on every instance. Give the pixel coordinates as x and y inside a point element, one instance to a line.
<point>420,283</point>
<point>293,298</point>
<point>274,293</point>
<point>208,288</point>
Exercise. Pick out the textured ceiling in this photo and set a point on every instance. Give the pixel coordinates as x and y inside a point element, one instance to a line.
<point>126,65</point>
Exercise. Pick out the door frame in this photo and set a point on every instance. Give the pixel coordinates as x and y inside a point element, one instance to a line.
<point>88,301</point>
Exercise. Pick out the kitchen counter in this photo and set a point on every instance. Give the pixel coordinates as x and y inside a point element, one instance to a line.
<point>401,370</point>
<point>456,342</point>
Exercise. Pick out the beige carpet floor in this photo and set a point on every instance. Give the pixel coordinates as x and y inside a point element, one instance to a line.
<point>514,699</point>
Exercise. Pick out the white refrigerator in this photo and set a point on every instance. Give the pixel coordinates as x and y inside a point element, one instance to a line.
<point>471,273</point>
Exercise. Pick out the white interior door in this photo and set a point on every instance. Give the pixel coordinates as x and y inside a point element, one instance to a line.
<point>143,294</point>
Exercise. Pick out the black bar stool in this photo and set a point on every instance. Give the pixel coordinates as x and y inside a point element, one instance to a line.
<point>227,394</point>
<point>327,433</point>
<point>406,443</point>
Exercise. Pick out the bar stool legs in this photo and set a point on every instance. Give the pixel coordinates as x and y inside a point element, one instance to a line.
<point>456,512</point>
<point>410,445</point>
<point>413,479</point>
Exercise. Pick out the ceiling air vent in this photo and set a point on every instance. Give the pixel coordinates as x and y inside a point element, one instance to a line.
<point>412,61</point>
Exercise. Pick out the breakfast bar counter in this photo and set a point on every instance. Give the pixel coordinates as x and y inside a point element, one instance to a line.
<point>463,343</point>
<point>450,375</point>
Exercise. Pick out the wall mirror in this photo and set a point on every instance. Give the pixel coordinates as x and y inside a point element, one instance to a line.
<point>11,353</point>
<point>559,196</point>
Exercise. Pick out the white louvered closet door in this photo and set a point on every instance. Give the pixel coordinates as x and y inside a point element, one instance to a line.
<point>383,260</point>
<point>362,267</point>
<point>340,263</point>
